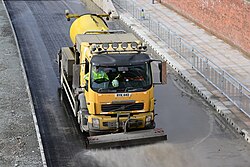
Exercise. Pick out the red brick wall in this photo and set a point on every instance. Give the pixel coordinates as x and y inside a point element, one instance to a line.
<point>228,19</point>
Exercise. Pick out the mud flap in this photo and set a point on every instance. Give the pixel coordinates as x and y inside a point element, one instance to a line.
<point>134,138</point>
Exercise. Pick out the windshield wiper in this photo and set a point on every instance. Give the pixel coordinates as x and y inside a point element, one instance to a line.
<point>133,89</point>
<point>106,90</point>
<point>127,88</point>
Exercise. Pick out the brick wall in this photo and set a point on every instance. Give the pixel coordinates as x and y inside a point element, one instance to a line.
<point>228,19</point>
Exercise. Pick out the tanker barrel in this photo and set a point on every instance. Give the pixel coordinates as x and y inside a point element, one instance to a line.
<point>87,23</point>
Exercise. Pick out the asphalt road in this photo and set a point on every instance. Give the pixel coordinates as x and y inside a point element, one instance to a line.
<point>197,137</point>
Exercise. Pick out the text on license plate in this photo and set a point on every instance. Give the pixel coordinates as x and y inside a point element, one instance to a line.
<point>123,94</point>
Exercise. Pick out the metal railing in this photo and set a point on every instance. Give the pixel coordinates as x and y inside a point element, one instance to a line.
<point>235,91</point>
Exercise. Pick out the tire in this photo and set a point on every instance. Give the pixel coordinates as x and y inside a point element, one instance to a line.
<point>81,120</point>
<point>76,108</point>
<point>81,124</point>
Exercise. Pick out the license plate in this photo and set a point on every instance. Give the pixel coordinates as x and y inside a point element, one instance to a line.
<point>123,94</point>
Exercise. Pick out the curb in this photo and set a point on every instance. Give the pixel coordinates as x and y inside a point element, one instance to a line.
<point>44,163</point>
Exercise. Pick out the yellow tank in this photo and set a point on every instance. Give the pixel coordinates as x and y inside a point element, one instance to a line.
<point>87,22</point>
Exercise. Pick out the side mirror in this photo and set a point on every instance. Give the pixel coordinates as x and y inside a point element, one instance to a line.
<point>159,72</point>
<point>163,72</point>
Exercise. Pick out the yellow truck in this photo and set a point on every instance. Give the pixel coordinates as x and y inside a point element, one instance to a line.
<point>108,80</point>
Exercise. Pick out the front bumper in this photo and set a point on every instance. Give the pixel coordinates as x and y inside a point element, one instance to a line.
<point>121,122</point>
<point>134,138</point>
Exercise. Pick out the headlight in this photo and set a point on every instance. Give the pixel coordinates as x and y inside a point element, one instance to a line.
<point>148,119</point>
<point>95,123</point>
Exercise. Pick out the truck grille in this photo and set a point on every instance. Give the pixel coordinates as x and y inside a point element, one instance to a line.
<point>122,107</point>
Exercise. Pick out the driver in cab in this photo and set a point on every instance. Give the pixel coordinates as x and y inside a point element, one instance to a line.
<point>99,78</point>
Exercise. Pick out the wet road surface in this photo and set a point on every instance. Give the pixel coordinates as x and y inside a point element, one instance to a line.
<point>197,137</point>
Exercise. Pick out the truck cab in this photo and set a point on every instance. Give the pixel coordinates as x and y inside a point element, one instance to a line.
<point>126,94</point>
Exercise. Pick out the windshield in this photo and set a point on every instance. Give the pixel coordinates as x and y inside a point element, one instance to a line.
<point>121,78</point>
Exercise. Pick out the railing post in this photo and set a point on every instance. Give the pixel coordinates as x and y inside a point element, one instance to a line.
<point>169,39</point>
<point>222,81</point>
<point>164,34</point>
<point>180,48</point>
<point>193,58</point>
<point>240,96</point>
<point>206,69</point>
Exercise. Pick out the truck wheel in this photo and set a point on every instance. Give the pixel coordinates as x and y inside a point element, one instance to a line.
<point>79,113</point>
<point>76,107</point>
<point>81,124</point>
<point>81,120</point>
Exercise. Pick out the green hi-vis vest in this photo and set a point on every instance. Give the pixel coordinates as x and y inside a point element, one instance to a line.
<point>97,75</point>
